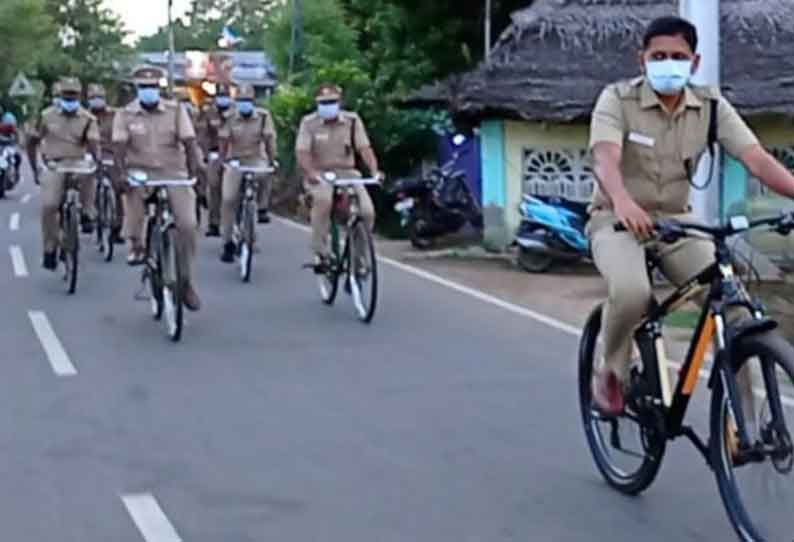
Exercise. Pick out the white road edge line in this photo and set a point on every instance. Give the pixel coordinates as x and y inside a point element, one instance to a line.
<point>150,518</point>
<point>59,359</point>
<point>13,222</point>
<point>18,261</point>
<point>487,298</point>
<point>25,198</point>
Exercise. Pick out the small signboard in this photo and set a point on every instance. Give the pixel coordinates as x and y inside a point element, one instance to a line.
<point>21,87</point>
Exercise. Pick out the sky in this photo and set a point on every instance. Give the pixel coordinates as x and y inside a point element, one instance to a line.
<point>144,17</point>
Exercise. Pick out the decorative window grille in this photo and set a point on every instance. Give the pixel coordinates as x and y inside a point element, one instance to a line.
<point>558,172</point>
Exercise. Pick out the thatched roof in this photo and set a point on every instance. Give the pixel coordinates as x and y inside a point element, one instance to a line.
<point>555,58</point>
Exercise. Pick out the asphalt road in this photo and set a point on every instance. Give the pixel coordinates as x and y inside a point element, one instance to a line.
<point>279,419</point>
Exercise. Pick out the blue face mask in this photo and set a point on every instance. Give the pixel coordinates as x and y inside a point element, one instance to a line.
<point>245,107</point>
<point>149,96</point>
<point>97,103</point>
<point>668,77</point>
<point>223,102</point>
<point>328,111</point>
<point>69,105</point>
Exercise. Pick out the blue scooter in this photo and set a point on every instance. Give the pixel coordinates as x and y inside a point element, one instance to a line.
<point>552,229</point>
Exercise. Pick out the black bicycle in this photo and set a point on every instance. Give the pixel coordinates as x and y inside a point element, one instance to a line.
<point>69,220</point>
<point>164,268</point>
<point>352,250</point>
<point>107,213</point>
<point>244,234</point>
<point>750,448</point>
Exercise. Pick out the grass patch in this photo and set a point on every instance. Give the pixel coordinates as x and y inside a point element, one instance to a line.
<point>684,319</point>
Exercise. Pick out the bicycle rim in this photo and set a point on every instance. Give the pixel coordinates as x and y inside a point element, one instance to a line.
<point>363,272</point>
<point>628,453</point>
<point>758,490</point>
<point>107,218</point>
<point>172,288</point>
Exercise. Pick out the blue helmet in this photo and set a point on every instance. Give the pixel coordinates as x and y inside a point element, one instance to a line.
<point>9,118</point>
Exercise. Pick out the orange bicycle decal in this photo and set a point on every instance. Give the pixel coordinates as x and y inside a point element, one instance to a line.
<point>700,354</point>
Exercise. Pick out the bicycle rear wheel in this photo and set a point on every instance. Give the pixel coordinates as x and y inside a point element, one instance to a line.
<point>363,272</point>
<point>627,451</point>
<point>247,240</point>
<point>70,248</point>
<point>757,486</point>
<point>173,308</point>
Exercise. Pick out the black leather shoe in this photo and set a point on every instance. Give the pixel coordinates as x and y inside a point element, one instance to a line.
<point>263,216</point>
<point>50,261</point>
<point>227,256</point>
<point>213,231</point>
<point>86,225</point>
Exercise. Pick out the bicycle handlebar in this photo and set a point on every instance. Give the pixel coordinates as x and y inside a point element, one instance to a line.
<point>161,182</point>
<point>353,182</point>
<point>234,164</point>
<point>671,230</point>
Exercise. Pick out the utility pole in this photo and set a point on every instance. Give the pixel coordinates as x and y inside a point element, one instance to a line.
<point>487,29</point>
<point>705,15</point>
<point>296,47</point>
<point>171,48</point>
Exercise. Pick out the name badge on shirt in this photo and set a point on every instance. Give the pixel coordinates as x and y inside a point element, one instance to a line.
<point>322,136</point>
<point>641,139</point>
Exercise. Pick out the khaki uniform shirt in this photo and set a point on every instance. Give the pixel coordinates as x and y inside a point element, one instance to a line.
<point>154,139</point>
<point>105,121</point>
<point>333,144</point>
<point>656,145</point>
<point>248,135</point>
<point>65,136</point>
<point>209,122</point>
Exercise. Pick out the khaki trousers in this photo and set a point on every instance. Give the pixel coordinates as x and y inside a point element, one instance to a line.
<point>214,173</point>
<point>53,188</point>
<point>183,205</point>
<point>232,181</point>
<point>621,260</point>
<point>322,201</point>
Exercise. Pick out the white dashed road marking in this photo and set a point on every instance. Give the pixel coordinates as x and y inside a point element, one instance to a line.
<point>18,261</point>
<point>150,518</point>
<point>13,222</point>
<point>57,356</point>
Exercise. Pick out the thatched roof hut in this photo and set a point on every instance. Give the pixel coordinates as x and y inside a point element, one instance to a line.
<point>553,61</point>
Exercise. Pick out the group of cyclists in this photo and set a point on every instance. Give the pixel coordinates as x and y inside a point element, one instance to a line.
<point>167,137</point>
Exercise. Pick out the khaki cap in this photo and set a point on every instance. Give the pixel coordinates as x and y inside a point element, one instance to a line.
<point>246,92</point>
<point>69,84</point>
<point>328,92</point>
<point>148,75</point>
<point>95,90</point>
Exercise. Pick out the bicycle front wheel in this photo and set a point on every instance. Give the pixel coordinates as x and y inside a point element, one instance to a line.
<point>757,485</point>
<point>247,241</point>
<point>363,272</point>
<point>70,248</point>
<point>173,308</point>
<point>105,221</point>
<point>627,451</point>
<point>153,269</point>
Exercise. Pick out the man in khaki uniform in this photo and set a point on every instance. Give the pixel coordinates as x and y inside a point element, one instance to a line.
<point>210,121</point>
<point>250,137</point>
<point>157,137</point>
<point>97,104</point>
<point>327,142</point>
<point>66,135</point>
<point>646,134</point>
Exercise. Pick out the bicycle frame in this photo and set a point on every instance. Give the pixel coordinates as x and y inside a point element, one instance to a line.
<point>725,290</point>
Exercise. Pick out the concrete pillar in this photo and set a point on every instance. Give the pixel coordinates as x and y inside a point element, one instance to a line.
<point>705,15</point>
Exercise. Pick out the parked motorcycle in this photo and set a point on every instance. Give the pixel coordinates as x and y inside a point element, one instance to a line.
<point>552,229</point>
<point>437,204</point>
<point>8,167</point>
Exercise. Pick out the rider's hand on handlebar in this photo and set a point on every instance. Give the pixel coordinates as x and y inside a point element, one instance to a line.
<point>379,176</point>
<point>633,217</point>
<point>314,177</point>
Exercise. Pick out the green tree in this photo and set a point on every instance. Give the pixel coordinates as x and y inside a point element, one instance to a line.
<point>92,42</point>
<point>28,37</point>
